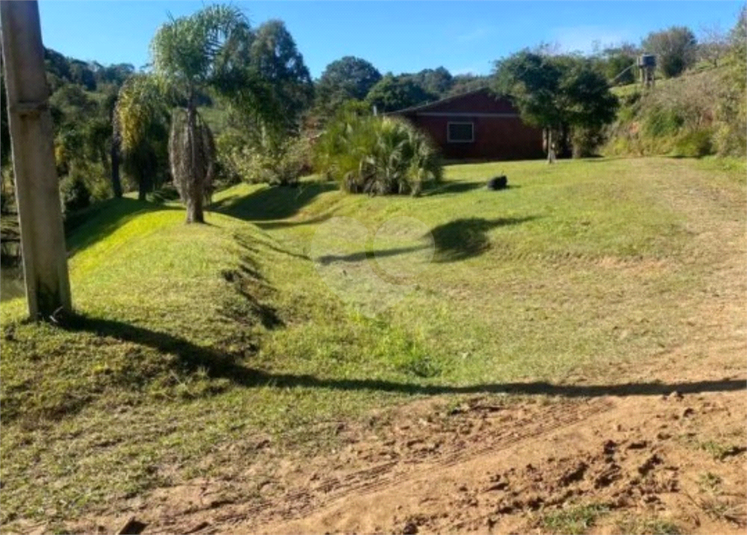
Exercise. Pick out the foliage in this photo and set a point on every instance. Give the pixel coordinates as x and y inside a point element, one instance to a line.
<point>557,93</point>
<point>464,83</point>
<point>435,81</point>
<point>192,159</point>
<point>694,115</point>
<point>280,65</point>
<point>272,161</point>
<point>344,79</point>
<point>617,64</point>
<point>141,124</point>
<point>75,193</point>
<point>731,109</point>
<point>675,49</point>
<point>377,155</point>
<point>393,93</point>
<point>191,54</point>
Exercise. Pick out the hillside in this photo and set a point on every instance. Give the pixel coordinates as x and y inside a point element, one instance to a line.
<point>207,361</point>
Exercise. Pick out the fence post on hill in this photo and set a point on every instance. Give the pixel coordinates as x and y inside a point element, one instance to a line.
<point>37,186</point>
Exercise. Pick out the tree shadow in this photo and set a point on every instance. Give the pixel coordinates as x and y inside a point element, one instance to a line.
<point>272,202</point>
<point>464,238</point>
<point>368,255</point>
<point>453,187</point>
<point>218,364</point>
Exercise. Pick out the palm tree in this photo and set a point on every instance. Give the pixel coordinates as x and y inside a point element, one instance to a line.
<point>193,54</point>
<point>140,129</point>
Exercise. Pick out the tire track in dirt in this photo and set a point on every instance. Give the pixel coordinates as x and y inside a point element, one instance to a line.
<point>501,428</point>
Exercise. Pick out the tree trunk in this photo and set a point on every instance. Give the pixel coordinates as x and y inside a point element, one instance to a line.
<point>195,188</point>
<point>550,146</point>
<point>116,182</point>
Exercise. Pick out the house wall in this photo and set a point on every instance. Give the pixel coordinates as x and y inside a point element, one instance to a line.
<point>496,138</point>
<point>499,132</point>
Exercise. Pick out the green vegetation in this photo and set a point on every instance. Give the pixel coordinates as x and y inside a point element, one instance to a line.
<point>397,93</point>
<point>375,155</point>
<point>675,49</point>
<point>564,95</point>
<point>192,339</point>
<point>697,114</point>
<point>574,520</point>
<point>648,526</point>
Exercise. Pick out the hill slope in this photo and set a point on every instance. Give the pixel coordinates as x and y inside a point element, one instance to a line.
<point>220,353</point>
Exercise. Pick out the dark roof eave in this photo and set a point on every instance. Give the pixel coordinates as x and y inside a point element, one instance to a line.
<point>428,105</point>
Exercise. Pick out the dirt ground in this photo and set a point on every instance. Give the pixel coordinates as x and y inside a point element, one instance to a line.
<point>660,453</point>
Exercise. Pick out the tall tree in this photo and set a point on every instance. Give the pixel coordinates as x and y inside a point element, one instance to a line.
<point>141,129</point>
<point>675,48</point>
<point>393,93</point>
<point>436,81</point>
<point>190,55</point>
<point>277,61</point>
<point>556,93</point>
<point>345,79</point>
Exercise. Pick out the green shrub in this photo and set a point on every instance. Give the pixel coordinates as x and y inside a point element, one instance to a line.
<point>375,155</point>
<point>694,144</point>
<point>267,160</point>
<point>75,194</point>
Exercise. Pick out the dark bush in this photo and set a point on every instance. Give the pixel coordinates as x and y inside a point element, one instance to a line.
<point>75,193</point>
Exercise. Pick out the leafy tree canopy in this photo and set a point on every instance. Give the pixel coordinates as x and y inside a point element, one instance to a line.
<point>344,79</point>
<point>675,48</point>
<point>556,92</point>
<point>393,93</point>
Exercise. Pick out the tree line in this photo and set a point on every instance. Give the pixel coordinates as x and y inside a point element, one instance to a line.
<point>119,128</point>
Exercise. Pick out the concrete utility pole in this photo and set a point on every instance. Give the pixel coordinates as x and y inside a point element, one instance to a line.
<point>37,186</point>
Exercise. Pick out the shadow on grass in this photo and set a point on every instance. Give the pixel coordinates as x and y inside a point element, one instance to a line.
<point>464,238</point>
<point>222,365</point>
<point>86,227</point>
<point>453,187</point>
<point>368,255</point>
<point>272,202</point>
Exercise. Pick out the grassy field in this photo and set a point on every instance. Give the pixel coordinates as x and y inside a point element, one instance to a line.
<point>278,320</point>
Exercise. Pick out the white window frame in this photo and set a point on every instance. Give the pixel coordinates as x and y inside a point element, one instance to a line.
<point>448,132</point>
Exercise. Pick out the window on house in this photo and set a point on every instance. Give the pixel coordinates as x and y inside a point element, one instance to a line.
<point>460,132</point>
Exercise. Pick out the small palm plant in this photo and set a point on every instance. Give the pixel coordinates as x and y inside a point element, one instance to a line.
<point>379,156</point>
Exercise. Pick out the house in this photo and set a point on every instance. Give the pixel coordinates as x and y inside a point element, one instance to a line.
<point>476,126</point>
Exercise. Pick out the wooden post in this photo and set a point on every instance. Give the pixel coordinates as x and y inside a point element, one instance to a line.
<point>37,186</point>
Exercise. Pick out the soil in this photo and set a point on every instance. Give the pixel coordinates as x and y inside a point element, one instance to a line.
<point>670,451</point>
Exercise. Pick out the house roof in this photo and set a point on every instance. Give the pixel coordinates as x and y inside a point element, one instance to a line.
<point>437,103</point>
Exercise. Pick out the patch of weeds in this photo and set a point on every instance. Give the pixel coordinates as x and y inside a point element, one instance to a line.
<point>718,450</point>
<point>419,365</point>
<point>574,520</point>
<point>722,509</point>
<point>648,526</point>
<point>709,482</point>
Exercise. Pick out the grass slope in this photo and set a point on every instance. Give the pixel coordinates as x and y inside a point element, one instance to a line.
<point>195,343</point>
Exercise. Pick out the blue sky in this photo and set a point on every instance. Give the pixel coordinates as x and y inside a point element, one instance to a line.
<point>394,36</point>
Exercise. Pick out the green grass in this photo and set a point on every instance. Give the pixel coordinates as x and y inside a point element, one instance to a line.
<point>574,520</point>
<point>193,341</point>
<point>648,526</point>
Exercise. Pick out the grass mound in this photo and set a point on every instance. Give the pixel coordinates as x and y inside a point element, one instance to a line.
<point>166,311</point>
<point>194,343</point>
